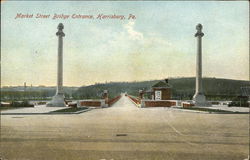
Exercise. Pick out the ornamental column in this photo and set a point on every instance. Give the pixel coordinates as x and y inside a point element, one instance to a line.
<point>199,97</point>
<point>58,99</point>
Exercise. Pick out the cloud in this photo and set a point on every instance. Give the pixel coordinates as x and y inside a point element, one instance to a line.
<point>141,41</point>
<point>134,35</point>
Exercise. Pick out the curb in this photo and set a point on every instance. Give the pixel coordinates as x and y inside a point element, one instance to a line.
<point>78,112</point>
<point>207,112</point>
<point>48,113</point>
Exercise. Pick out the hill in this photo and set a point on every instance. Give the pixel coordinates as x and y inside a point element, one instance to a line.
<point>182,88</point>
<point>34,92</point>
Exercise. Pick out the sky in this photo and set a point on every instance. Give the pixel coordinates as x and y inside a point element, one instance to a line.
<point>157,43</point>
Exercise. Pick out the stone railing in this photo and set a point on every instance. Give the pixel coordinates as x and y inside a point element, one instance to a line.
<point>135,100</point>
<point>158,103</point>
<point>99,103</point>
<point>91,103</point>
<point>187,104</point>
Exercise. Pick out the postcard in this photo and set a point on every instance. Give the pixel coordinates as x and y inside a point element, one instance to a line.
<point>124,80</point>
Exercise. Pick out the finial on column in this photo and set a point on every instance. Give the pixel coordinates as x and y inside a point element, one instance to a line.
<point>199,32</point>
<point>60,28</point>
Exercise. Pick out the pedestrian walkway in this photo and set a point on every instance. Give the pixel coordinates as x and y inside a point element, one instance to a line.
<point>39,109</point>
<point>232,109</point>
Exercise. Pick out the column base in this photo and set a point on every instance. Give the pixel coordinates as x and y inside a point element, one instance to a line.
<point>57,101</point>
<point>200,100</point>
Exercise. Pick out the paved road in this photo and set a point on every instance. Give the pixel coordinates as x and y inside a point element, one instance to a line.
<point>125,132</point>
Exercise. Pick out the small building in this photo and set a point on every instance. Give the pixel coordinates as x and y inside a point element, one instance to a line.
<point>161,91</point>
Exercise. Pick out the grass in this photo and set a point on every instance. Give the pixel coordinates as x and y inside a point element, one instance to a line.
<point>73,109</point>
<point>208,110</point>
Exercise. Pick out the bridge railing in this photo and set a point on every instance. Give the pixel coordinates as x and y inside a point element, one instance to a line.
<point>98,103</point>
<point>135,100</point>
<point>158,103</point>
<point>113,100</point>
<point>91,103</point>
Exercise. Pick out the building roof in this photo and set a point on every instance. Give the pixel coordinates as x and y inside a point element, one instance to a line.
<point>161,84</point>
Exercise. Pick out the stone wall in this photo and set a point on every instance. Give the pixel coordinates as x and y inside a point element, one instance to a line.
<point>114,100</point>
<point>159,103</point>
<point>187,104</point>
<point>137,101</point>
<point>98,102</point>
<point>91,103</point>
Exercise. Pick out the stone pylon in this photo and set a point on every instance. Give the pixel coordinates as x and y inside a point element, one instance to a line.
<point>58,99</point>
<point>199,97</point>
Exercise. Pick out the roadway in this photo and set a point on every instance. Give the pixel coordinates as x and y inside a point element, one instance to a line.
<point>124,131</point>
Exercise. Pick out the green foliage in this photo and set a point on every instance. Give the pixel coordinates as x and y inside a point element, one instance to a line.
<point>73,109</point>
<point>239,102</point>
<point>34,93</point>
<point>182,88</point>
<point>21,95</point>
<point>114,89</point>
<point>21,104</point>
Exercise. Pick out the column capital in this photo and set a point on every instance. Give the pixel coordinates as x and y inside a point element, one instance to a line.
<point>60,28</point>
<point>199,33</point>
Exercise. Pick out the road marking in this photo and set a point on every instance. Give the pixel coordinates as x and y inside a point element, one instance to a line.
<point>121,134</point>
<point>178,132</point>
